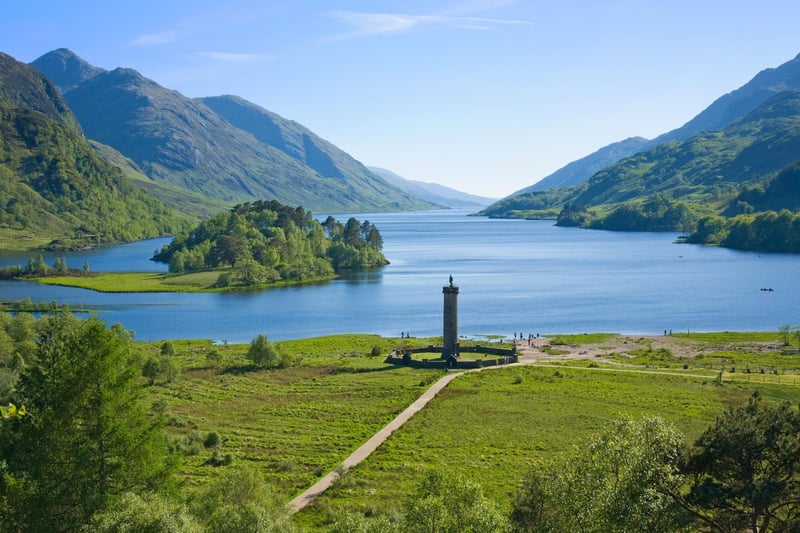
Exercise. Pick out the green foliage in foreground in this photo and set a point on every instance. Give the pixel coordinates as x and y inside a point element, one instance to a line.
<point>443,502</point>
<point>265,242</point>
<point>87,437</point>
<point>293,424</point>
<point>635,475</point>
<point>620,479</point>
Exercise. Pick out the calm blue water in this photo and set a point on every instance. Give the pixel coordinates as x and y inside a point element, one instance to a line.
<point>513,275</point>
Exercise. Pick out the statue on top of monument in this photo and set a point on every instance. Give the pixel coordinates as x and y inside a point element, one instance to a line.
<point>451,280</point>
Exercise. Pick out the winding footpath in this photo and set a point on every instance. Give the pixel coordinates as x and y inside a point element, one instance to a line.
<point>527,356</point>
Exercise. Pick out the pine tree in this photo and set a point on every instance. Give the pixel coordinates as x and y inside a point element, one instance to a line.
<point>88,437</point>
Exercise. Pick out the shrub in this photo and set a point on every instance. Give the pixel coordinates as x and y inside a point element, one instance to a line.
<point>212,440</point>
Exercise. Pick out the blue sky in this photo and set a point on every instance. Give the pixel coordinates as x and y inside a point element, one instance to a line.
<point>486,96</point>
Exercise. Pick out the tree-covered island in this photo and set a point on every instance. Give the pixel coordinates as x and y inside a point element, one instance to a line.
<point>253,245</point>
<point>265,242</point>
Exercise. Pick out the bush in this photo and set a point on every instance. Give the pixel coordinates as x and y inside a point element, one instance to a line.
<point>265,354</point>
<point>167,348</point>
<point>212,440</point>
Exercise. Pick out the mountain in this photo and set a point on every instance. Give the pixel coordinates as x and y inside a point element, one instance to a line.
<point>581,169</point>
<point>193,204</point>
<point>738,103</point>
<point>705,171</point>
<point>66,69</point>
<point>722,112</point>
<point>22,87</point>
<point>52,184</point>
<point>184,143</point>
<point>433,192</point>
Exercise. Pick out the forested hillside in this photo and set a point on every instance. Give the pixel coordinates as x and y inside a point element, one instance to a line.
<point>264,242</point>
<point>672,186</point>
<point>54,189</point>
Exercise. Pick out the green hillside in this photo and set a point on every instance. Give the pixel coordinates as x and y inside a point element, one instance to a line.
<point>192,204</point>
<point>54,189</point>
<point>724,111</point>
<point>673,185</point>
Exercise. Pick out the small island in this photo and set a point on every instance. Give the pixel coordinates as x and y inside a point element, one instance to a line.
<point>253,245</point>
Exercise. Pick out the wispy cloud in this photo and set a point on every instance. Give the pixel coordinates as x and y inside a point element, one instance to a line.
<point>228,57</point>
<point>394,23</point>
<point>155,39</point>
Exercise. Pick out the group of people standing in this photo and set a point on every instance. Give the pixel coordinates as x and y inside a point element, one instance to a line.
<point>531,337</point>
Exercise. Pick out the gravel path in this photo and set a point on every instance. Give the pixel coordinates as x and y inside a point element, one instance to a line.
<point>527,355</point>
<point>371,445</point>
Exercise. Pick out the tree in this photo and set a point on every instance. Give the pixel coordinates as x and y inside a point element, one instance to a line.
<point>263,353</point>
<point>333,227</point>
<point>151,369</point>
<point>240,501</point>
<point>88,437</point>
<point>620,480</point>
<point>374,239</point>
<point>449,503</point>
<point>60,265</point>
<point>745,470</point>
<point>785,331</point>
<point>147,512</point>
<point>352,232</point>
<point>229,248</point>
<point>248,272</point>
<point>167,349</point>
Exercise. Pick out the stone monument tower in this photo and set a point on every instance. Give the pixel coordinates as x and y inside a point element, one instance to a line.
<point>450,328</point>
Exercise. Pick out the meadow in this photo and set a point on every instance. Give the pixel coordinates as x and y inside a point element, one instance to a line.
<point>300,422</point>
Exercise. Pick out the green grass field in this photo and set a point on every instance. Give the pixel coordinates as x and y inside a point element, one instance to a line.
<point>298,423</point>
<point>492,426</point>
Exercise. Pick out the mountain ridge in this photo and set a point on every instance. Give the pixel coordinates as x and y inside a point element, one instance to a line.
<point>720,113</point>
<point>705,172</point>
<point>184,142</point>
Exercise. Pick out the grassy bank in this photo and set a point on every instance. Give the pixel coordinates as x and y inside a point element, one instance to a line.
<point>156,282</point>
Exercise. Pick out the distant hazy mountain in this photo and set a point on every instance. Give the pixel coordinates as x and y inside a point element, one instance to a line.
<point>53,186</point>
<point>433,192</point>
<point>301,144</point>
<point>722,112</point>
<point>186,144</point>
